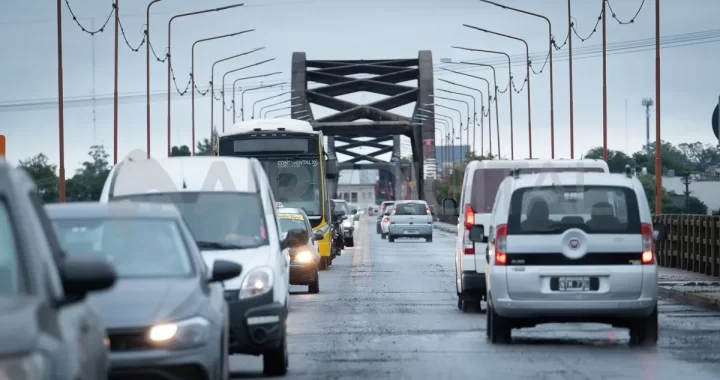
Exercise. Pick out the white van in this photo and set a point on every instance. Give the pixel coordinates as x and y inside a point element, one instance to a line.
<point>229,207</point>
<point>480,184</point>
<point>571,247</point>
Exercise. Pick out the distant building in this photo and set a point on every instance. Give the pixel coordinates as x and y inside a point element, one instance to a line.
<point>358,187</point>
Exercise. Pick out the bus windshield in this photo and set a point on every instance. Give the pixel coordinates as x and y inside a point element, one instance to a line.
<point>295,183</point>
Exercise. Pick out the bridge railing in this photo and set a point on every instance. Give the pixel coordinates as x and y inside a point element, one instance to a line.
<point>692,243</point>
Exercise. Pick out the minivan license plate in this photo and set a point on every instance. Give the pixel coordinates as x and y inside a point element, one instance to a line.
<point>411,232</point>
<point>574,284</point>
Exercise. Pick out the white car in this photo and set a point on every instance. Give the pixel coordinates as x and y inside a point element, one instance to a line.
<point>571,247</point>
<point>229,207</point>
<point>480,184</point>
<point>385,222</point>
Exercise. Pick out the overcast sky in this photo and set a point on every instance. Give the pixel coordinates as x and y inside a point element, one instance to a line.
<point>345,29</point>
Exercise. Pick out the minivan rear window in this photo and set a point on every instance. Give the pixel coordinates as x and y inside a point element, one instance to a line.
<point>486,183</point>
<point>410,209</point>
<point>593,209</point>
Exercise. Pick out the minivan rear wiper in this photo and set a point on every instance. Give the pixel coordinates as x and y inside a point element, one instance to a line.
<point>218,245</point>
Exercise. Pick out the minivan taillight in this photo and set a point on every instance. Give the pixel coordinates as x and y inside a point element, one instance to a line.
<point>501,233</point>
<point>385,219</point>
<point>468,245</point>
<point>648,256</point>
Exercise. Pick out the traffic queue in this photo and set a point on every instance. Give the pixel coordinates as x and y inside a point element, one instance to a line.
<point>183,262</point>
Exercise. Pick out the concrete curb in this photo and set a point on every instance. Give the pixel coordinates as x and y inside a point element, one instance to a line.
<point>689,298</point>
<point>445,228</point>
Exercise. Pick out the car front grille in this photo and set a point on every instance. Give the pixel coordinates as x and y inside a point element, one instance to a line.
<point>129,340</point>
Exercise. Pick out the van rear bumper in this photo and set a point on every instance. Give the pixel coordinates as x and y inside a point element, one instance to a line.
<point>571,310</point>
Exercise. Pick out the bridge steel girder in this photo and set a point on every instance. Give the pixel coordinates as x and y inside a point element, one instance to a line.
<point>335,78</point>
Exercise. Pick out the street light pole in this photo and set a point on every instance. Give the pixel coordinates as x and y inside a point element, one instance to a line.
<point>510,92</point>
<point>527,74</point>
<point>242,97</point>
<point>268,98</point>
<point>212,90</point>
<point>489,105</point>
<point>147,73</point>
<point>244,78</point>
<point>474,122</point>
<point>169,59</point>
<point>550,48</point>
<point>482,113</point>
<point>61,98</point>
<point>192,75</point>
<point>497,120</point>
<point>115,86</point>
<point>467,127</point>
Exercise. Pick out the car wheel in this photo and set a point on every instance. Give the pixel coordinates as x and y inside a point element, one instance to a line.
<point>428,239</point>
<point>350,242</point>
<point>225,366</point>
<point>378,229</point>
<point>645,331</point>
<point>323,263</point>
<point>275,361</point>
<point>391,238</point>
<point>460,303</point>
<point>500,328</point>
<point>488,319</point>
<point>382,236</point>
<point>314,287</point>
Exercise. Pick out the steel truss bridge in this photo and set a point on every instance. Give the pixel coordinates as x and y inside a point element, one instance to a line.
<point>346,131</point>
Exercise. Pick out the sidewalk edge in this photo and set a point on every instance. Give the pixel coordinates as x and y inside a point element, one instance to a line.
<point>688,298</point>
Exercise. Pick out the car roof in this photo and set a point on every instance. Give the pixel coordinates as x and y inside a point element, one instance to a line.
<point>411,201</point>
<point>535,163</point>
<point>270,125</point>
<point>112,210</point>
<point>573,178</point>
<point>291,210</point>
<point>177,174</point>
<point>339,200</point>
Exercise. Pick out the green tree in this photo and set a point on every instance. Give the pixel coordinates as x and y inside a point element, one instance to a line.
<point>672,158</point>
<point>701,157</point>
<point>616,161</point>
<point>88,182</point>
<point>203,146</point>
<point>181,151</point>
<point>44,175</point>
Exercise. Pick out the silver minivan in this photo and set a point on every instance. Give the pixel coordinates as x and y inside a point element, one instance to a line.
<point>571,247</point>
<point>410,219</point>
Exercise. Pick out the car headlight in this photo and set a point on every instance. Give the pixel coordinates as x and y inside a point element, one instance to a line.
<point>257,282</point>
<point>28,367</point>
<point>347,223</point>
<point>187,333</point>
<point>304,257</point>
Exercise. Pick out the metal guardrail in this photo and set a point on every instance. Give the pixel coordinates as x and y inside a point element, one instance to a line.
<point>692,243</point>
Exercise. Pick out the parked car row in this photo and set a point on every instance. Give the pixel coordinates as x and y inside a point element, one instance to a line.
<point>166,276</point>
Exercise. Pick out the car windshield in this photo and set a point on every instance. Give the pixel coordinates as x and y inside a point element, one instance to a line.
<point>135,247</point>
<point>295,183</point>
<point>217,220</point>
<point>410,209</point>
<point>593,209</point>
<point>342,206</point>
<point>10,275</point>
<point>292,222</point>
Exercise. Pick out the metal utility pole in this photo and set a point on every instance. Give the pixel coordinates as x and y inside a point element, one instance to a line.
<point>94,99</point>
<point>647,103</point>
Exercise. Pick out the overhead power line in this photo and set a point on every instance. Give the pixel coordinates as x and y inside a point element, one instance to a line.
<point>625,47</point>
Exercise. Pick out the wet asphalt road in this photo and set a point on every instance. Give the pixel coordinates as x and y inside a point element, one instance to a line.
<point>388,311</point>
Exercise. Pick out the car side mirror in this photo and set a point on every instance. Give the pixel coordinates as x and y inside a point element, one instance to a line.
<point>83,275</point>
<point>343,217</point>
<point>296,238</point>
<point>353,211</point>
<point>224,270</point>
<point>450,207</point>
<point>317,236</point>
<point>477,234</point>
<point>331,175</point>
<point>659,232</point>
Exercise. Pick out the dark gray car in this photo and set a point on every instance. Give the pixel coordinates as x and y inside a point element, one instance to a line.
<point>48,330</point>
<point>166,316</point>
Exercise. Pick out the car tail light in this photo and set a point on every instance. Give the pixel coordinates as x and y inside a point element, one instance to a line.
<point>386,219</point>
<point>427,211</point>
<point>469,216</point>
<point>648,256</point>
<point>501,233</point>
